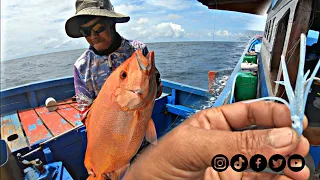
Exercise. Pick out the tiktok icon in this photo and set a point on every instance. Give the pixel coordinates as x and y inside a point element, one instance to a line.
<point>239,163</point>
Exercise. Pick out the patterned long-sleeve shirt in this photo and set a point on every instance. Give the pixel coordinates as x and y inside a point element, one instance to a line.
<point>91,70</point>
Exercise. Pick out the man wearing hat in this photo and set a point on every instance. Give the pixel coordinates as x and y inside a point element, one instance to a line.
<point>96,21</point>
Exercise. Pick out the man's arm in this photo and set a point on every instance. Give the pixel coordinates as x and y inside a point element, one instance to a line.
<point>83,96</point>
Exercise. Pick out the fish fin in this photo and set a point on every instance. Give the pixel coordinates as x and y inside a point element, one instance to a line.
<point>133,125</point>
<point>117,174</point>
<point>91,175</point>
<point>151,134</point>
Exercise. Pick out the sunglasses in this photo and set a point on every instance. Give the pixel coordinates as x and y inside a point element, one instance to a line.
<point>98,27</point>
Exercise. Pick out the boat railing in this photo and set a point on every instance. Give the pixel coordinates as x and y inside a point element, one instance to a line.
<point>34,94</point>
<point>226,93</point>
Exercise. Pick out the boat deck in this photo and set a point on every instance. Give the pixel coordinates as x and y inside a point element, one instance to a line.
<point>24,128</point>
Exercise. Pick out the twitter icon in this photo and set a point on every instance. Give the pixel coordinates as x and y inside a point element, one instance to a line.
<point>277,163</point>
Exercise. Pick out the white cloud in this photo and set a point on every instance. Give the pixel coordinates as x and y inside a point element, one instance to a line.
<point>33,26</point>
<point>227,34</point>
<point>168,30</point>
<point>174,16</point>
<point>50,41</point>
<point>143,21</point>
<point>161,30</point>
<point>171,4</point>
<point>222,33</point>
<point>127,9</point>
<point>30,27</point>
<point>66,42</point>
<point>258,23</point>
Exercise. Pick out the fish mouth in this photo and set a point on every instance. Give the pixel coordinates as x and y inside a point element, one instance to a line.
<point>143,97</point>
<point>138,91</point>
<point>141,101</point>
<point>134,99</point>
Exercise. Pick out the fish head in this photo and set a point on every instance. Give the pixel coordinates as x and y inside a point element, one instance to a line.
<point>136,81</point>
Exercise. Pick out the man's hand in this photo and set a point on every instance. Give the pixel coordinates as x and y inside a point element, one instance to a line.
<point>186,151</point>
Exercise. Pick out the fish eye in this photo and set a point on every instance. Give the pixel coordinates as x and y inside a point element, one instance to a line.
<point>123,74</point>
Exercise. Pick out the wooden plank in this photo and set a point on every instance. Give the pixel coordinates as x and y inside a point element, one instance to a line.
<point>63,105</point>
<point>11,131</point>
<point>73,104</point>
<point>33,126</point>
<point>70,114</point>
<point>53,121</point>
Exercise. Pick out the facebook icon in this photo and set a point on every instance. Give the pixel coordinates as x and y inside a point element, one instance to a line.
<point>258,163</point>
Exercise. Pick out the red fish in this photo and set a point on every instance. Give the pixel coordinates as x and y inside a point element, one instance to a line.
<point>120,117</point>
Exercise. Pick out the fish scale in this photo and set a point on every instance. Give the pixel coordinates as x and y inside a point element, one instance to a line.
<point>120,117</point>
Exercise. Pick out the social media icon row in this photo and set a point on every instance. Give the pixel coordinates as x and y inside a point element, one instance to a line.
<point>258,163</point>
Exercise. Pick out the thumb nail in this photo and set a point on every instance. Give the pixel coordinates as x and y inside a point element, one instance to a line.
<point>281,137</point>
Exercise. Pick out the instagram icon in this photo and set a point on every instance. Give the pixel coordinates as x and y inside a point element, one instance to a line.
<point>219,163</point>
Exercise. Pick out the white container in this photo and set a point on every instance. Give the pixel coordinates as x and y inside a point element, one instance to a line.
<point>249,67</point>
<point>51,104</point>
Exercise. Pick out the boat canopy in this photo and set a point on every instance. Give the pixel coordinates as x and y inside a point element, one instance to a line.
<point>258,7</point>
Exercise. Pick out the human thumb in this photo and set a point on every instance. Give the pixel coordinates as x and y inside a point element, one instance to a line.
<point>188,151</point>
<point>266,142</point>
<point>248,143</point>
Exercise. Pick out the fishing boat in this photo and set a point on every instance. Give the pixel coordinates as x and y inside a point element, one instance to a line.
<point>42,141</point>
<point>286,21</point>
<point>57,138</point>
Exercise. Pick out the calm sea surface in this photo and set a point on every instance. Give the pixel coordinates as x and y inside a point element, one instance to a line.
<point>183,62</point>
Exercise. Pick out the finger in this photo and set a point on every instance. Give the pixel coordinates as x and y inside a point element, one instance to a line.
<point>303,174</point>
<point>263,176</point>
<point>305,122</point>
<point>210,174</point>
<point>231,174</point>
<point>263,113</point>
<point>240,115</point>
<point>266,142</point>
<point>209,119</point>
<point>302,147</point>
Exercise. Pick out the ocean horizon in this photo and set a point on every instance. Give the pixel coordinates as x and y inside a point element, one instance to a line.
<point>184,62</point>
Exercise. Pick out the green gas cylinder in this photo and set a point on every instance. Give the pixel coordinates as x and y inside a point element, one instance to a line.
<point>246,86</point>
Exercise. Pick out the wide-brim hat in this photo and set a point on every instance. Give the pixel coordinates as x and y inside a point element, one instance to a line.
<point>102,8</point>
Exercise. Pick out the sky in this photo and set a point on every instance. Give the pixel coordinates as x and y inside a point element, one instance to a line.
<point>38,26</point>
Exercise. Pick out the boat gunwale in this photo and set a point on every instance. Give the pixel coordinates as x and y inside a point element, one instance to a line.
<point>226,92</point>
<point>35,86</point>
<point>39,85</point>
